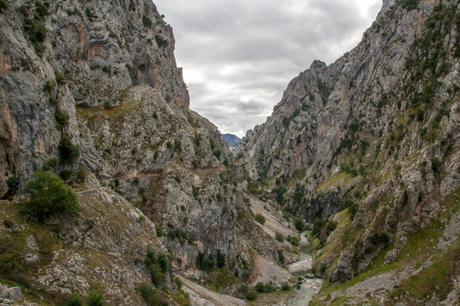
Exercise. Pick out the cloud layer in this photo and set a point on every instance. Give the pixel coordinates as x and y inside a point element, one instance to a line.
<point>238,56</point>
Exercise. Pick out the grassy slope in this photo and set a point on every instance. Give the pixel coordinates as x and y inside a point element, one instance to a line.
<point>420,248</point>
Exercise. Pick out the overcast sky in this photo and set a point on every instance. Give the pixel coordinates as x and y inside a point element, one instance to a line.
<point>239,55</point>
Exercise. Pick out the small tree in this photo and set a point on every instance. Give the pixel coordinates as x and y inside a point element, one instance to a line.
<point>157,266</point>
<point>49,196</point>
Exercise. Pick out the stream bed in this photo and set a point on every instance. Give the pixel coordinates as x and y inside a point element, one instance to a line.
<point>309,286</point>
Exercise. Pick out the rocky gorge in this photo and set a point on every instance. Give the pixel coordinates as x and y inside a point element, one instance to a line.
<point>353,179</point>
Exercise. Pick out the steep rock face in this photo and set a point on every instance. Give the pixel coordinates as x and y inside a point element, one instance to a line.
<point>376,132</point>
<point>91,91</point>
<point>173,165</point>
<point>57,55</point>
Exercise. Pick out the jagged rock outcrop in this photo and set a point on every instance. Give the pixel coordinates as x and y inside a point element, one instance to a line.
<point>376,133</point>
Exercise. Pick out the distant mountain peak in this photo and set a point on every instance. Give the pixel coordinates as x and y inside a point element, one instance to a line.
<point>232,140</point>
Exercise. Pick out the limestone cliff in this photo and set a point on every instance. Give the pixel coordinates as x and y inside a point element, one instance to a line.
<point>366,150</point>
<point>91,91</point>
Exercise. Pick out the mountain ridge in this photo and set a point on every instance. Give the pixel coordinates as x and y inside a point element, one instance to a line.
<point>232,140</point>
<point>91,94</point>
<point>364,150</point>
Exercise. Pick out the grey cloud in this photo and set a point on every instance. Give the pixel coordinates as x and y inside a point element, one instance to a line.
<point>238,56</point>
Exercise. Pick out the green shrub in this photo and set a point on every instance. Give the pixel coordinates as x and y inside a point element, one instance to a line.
<point>250,294</point>
<point>285,287</point>
<point>217,153</point>
<point>279,237</point>
<point>205,262</point>
<point>363,147</point>
<point>82,174</point>
<point>279,195</point>
<point>355,127</point>
<point>260,219</point>
<point>330,227</point>
<point>317,226</point>
<point>293,240</point>
<point>299,225</point>
<point>177,145</point>
<point>377,239</point>
<point>62,118</point>
<point>409,4</point>
<point>41,9</point>
<point>150,295</point>
<point>48,87</point>
<point>352,208</point>
<point>74,300</point>
<point>159,231</point>
<point>13,184</point>
<point>49,196</point>
<point>326,229</point>
<point>50,164</point>
<point>132,5</point>
<point>68,152</point>
<point>34,25</point>
<point>436,166</point>
<point>8,223</point>
<point>324,90</point>
<point>161,42</point>
<point>108,105</point>
<point>163,261</point>
<point>264,288</point>
<point>89,14</point>
<point>12,258</point>
<point>220,259</point>
<point>147,22</point>
<point>260,287</point>
<point>178,234</point>
<point>60,78</point>
<point>3,5</point>
<point>66,175</point>
<point>157,265</point>
<point>95,298</point>
<point>107,70</point>
<point>181,298</point>
<point>429,91</point>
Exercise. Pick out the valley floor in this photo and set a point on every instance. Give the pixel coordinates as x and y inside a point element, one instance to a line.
<point>297,272</point>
